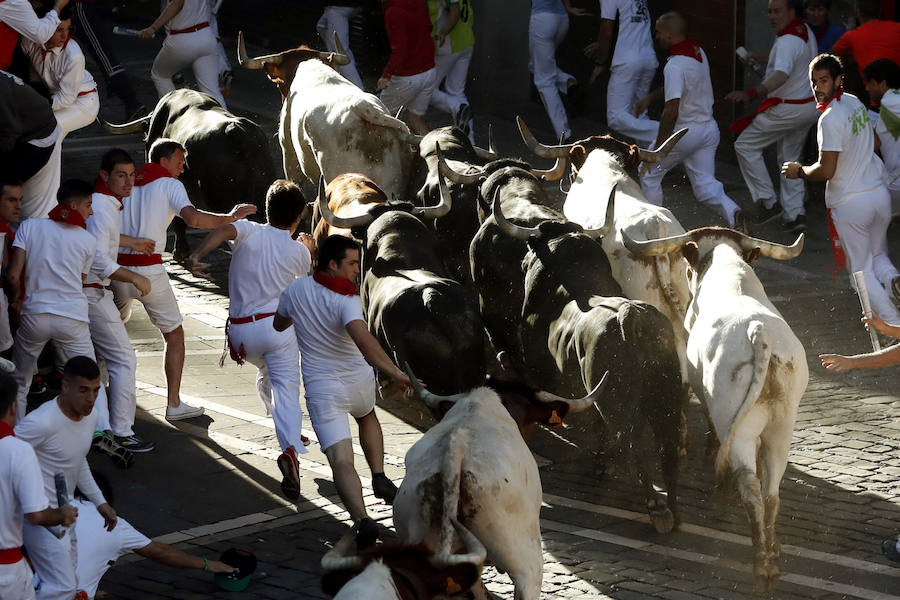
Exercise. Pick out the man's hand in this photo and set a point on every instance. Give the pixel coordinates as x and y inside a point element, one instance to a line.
<point>147,33</point>
<point>109,516</point>
<point>401,378</point>
<point>876,322</point>
<point>837,362</point>
<point>737,96</point>
<point>596,73</point>
<point>308,241</point>
<point>579,12</point>
<point>69,514</point>
<point>592,50</point>
<point>219,567</point>
<point>640,107</point>
<point>791,170</point>
<point>383,82</point>
<point>142,284</point>
<point>143,245</point>
<point>197,268</point>
<point>241,211</point>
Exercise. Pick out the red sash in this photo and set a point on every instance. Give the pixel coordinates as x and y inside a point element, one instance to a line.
<point>87,92</point>
<point>139,260</point>
<point>341,285</point>
<point>796,27</point>
<point>687,47</point>
<point>744,122</point>
<point>190,29</point>
<point>9,556</point>
<point>8,40</point>
<point>101,188</point>
<point>837,96</point>
<point>149,173</point>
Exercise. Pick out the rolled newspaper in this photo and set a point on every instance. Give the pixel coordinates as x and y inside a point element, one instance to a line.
<point>62,498</point>
<point>749,61</point>
<point>863,294</point>
<point>126,31</point>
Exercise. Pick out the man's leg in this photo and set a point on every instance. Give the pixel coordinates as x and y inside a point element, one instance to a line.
<point>206,64</point>
<point>749,148</point>
<point>168,62</point>
<point>620,99</point>
<point>790,148</point>
<point>81,114</point>
<point>542,35</point>
<point>425,84</point>
<point>346,480</point>
<point>32,335</point>
<point>338,19</point>
<point>17,581</point>
<point>174,364</point>
<point>53,560</point>
<point>39,192</point>
<point>701,171</point>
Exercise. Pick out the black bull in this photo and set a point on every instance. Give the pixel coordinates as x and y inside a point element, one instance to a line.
<point>552,305</point>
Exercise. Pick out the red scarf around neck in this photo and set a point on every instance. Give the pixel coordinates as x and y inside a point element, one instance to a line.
<point>837,96</point>
<point>796,27</point>
<point>6,430</point>
<point>101,188</point>
<point>45,51</point>
<point>10,234</point>
<point>341,285</point>
<point>150,173</point>
<point>65,214</point>
<point>687,47</point>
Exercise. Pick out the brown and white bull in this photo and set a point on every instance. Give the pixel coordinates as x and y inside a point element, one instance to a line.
<point>329,126</point>
<point>475,466</point>
<point>747,367</point>
<point>347,196</point>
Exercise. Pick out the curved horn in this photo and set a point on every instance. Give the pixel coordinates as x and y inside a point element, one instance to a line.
<point>413,139</point>
<point>511,229</point>
<point>539,148</point>
<point>340,57</point>
<point>445,170</point>
<point>436,212</point>
<point>581,403</point>
<point>491,145</point>
<point>554,174</point>
<point>432,400</point>
<point>254,63</point>
<point>654,156</point>
<point>476,552</point>
<point>131,127</point>
<point>654,247</point>
<point>491,152</point>
<point>608,221</point>
<point>335,559</point>
<point>334,220</point>
<point>772,249</point>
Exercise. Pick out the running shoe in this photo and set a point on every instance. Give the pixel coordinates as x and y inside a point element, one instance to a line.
<point>768,214</point>
<point>183,411</point>
<point>290,471</point>
<point>796,226</point>
<point>105,442</point>
<point>134,443</point>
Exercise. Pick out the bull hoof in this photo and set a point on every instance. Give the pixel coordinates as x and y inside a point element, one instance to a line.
<point>662,518</point>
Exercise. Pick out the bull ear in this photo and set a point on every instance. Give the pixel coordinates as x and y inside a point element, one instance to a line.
<point>751,256</point>
<point>272,72</point>
<point>691,253</point>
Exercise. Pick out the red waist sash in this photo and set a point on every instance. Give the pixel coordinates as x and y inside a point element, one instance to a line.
<point>139,260</point>
<point>190,29</point>
<point>10,556</point>
<point>741,124</point>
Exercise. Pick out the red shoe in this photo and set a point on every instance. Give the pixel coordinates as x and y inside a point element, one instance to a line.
<point>305,440</point>
<point>290,470</point>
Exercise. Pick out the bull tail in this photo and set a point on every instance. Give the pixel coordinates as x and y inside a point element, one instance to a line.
<point>451,480</point>
<point>371,114</point>
<point>761,353</point>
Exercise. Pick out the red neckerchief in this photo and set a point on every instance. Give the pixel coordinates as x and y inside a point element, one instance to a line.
<point>6,430</point>
<point>837,96</point>
<point>45,51</point>
<point>341,285</point>
<point>687,47</point>
<point>796,27</point>
<point>101,188</point>
<point>150,173</point>
<point>10,234</point>
<point>64,214</point>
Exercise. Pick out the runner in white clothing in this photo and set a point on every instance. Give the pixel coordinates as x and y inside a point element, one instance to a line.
<point>688,96</point>
<point>783,118</point>
<point>157,198</point>
<point>10,209</point>
<point>855,193</point>
<point>60,432</point>
<point>17,17</point>
<point>337,351</point>
<point>22,498</point>
<point>882,79</point>
<point>264,261</point>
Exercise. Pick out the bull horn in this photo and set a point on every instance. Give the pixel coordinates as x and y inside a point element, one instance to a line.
<point>340,57</point>
<point>491,146</point>
<point>772,249</point>
<point>539,148</point>
<point>491,152</point>
<point>334,220</point>
<point>476,552</point>
<point>336,559</point>
<point>454,176</point>
<point>254,63</point>
<point>411,138</point>
<point>665,245</point>
<point>433,401</point>
<point>131,127</point>
<point>608,221</point>
<point>511,229</point>
<point>581,403</point>
<point>654,156</point>
<point>554,174</point>
<point>436,212</point>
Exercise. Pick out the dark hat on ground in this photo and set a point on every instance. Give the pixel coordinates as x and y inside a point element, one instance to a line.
<point>245,561</point>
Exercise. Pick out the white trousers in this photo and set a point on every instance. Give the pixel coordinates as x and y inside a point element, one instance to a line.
<point>113,347</point>
<point>39,192</point>
<point>224,65</point>
<point>81,114</point>
<point>862,221</point>
<point>786,126</point>
<point>276,355</point>
<point>54,561</point>
<point>697,151</point>
<point>6,339</point>
<point>72,337</point>
<point>16,581</point>
<point>894,190</point>
<point>197,49</point>
<point>160,304</point>
<point>337,18</point>
<point>545,33</point>
<point>628,83</point>
<point>451,68</point>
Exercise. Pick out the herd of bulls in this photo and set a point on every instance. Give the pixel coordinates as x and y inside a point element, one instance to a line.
<point>609,296</point>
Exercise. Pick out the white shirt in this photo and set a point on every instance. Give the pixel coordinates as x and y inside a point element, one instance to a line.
<point>57,256</point>
<point>688,79</point>
<point>150,209</point>
<point>98,548</point>
<point>320,317</point>
<point>845,127</point>
<point>791,55</point>
<point>19,15</point>
<point>192,13</point>
<point>61,446</point>
<point>265,260</point>
<point>62,69</point>
<point>21,489</point>
<point>634,42</point>
<point>105,225</point>
<point>890,146</point>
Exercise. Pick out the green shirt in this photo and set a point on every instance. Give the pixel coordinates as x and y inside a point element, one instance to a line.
<point>461,36</point>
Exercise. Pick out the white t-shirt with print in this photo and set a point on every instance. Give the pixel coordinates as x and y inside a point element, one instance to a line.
<point>688,79</point>
<point>890,146</point>
<point>791,55</point>
<point>149,211</point>
<point>21,489</point>
<point>634,43</point>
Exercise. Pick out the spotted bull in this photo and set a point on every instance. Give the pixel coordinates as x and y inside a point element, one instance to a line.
<point>747,367</point>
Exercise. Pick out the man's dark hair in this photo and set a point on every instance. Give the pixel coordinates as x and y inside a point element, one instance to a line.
<point>8,390</point>
<point>73,190</point>
<point>105,488</point>
<point>81,366</point>
<point>334,248</point>
<point>164,148</point>
<point>797,5</point>
<point>827,62</point>
<point>823,3</point>
<point>284,203</point>
<point>871,9</point>
<point>113,157</point>
<point>883,69</point>
<point>9,182</point>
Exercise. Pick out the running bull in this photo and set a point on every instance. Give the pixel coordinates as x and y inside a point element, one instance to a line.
<point>746,366</point>
<point>475,466</point>
<point>418,314</point>
<point>228,160</point>
<point>329,126</point>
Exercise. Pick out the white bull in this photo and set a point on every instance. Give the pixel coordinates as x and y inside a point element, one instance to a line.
<point>747,367</point>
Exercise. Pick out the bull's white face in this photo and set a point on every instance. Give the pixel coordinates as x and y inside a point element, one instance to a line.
<point>374,583</point>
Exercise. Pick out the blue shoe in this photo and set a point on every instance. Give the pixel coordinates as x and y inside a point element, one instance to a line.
<point>134,443</point>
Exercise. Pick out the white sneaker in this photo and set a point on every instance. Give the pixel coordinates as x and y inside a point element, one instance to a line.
<point>183,411</point>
